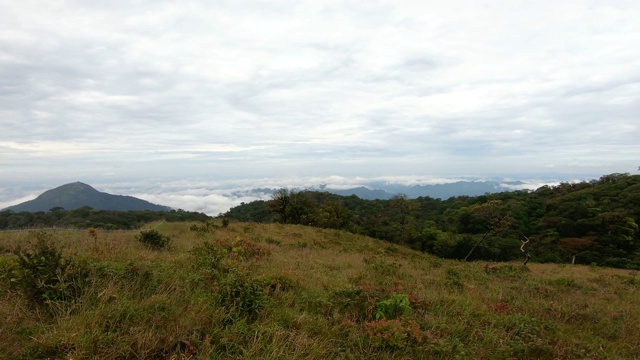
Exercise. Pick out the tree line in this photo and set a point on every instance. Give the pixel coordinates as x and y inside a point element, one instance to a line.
<point>87,217</point>
<point>590,222</point>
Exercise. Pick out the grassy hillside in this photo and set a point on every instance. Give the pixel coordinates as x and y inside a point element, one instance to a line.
<point>288,291</point>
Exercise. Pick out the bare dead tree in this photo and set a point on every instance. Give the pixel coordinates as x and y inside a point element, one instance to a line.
<point>524,251</point>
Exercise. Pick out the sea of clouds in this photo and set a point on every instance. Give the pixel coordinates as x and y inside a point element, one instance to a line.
<point>216,197</point>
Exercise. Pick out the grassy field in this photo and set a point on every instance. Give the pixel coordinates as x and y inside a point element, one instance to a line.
<point>274,291</point>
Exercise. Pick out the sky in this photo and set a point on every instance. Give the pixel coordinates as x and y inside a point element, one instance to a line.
<point>177,101</point>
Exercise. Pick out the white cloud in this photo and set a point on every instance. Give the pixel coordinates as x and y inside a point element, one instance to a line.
<point>145,90</point>
<point>13,201</point>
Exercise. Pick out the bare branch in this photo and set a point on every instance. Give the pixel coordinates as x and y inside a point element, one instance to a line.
<point>522,248</point>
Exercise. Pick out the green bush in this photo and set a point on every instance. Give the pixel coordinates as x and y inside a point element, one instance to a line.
<point>205,228</point>
<point>44,276</point>
<point>244,249</point>
<point>208,258</point>
<point>6,268</point>
<point>154,239</point>
<point>394,307</point>
<point>221,264</point>
<point>242,296</point>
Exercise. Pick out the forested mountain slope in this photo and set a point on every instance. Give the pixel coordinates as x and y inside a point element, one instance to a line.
<point>593,222</point>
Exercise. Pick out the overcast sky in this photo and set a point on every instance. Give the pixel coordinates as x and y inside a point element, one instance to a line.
<point>116,91</point>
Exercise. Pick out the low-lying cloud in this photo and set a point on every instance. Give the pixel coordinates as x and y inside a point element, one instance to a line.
<point>213,197</point>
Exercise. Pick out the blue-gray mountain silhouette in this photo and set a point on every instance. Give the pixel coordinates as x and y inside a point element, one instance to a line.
<point>76,195</point>
<point>383,191</point>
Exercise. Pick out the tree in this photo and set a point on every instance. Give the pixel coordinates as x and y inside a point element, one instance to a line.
<point>301,206</point>
<point>332,215</point>
<point>490,216</point>
<point>619,231</point>
<point>576,246</point>
<point>400,212</point>
<point>280,203</point>
<point>427,239</point>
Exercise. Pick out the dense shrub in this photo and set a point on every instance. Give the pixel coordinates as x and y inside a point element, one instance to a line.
<point>154,239</point>
<point>44,276</point>
<point>205,228</point>
<point>208,258</point>
<point>224,265</point>
<point>242,295</point>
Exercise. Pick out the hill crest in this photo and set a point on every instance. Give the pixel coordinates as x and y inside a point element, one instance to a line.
<point>77,194</point>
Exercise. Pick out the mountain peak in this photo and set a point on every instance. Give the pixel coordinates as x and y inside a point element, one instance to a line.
<point>78,194</point>
<point>75,186</point>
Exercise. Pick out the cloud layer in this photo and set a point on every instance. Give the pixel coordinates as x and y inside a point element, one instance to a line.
<point>215,197</point>
<point>161,91</point>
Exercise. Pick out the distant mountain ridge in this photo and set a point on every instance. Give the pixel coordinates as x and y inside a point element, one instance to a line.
<point>380,191</point>
<point>363,193</point>
<point>445,191</point>
<point>386,191</point>
<point>76,195</point>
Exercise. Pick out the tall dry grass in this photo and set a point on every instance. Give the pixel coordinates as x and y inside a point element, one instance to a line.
<point>319,292</point>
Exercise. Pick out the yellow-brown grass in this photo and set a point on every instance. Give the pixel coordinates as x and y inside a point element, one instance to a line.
<point>158,304</point>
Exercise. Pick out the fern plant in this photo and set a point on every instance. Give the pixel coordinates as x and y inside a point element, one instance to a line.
<point>394,307</point>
